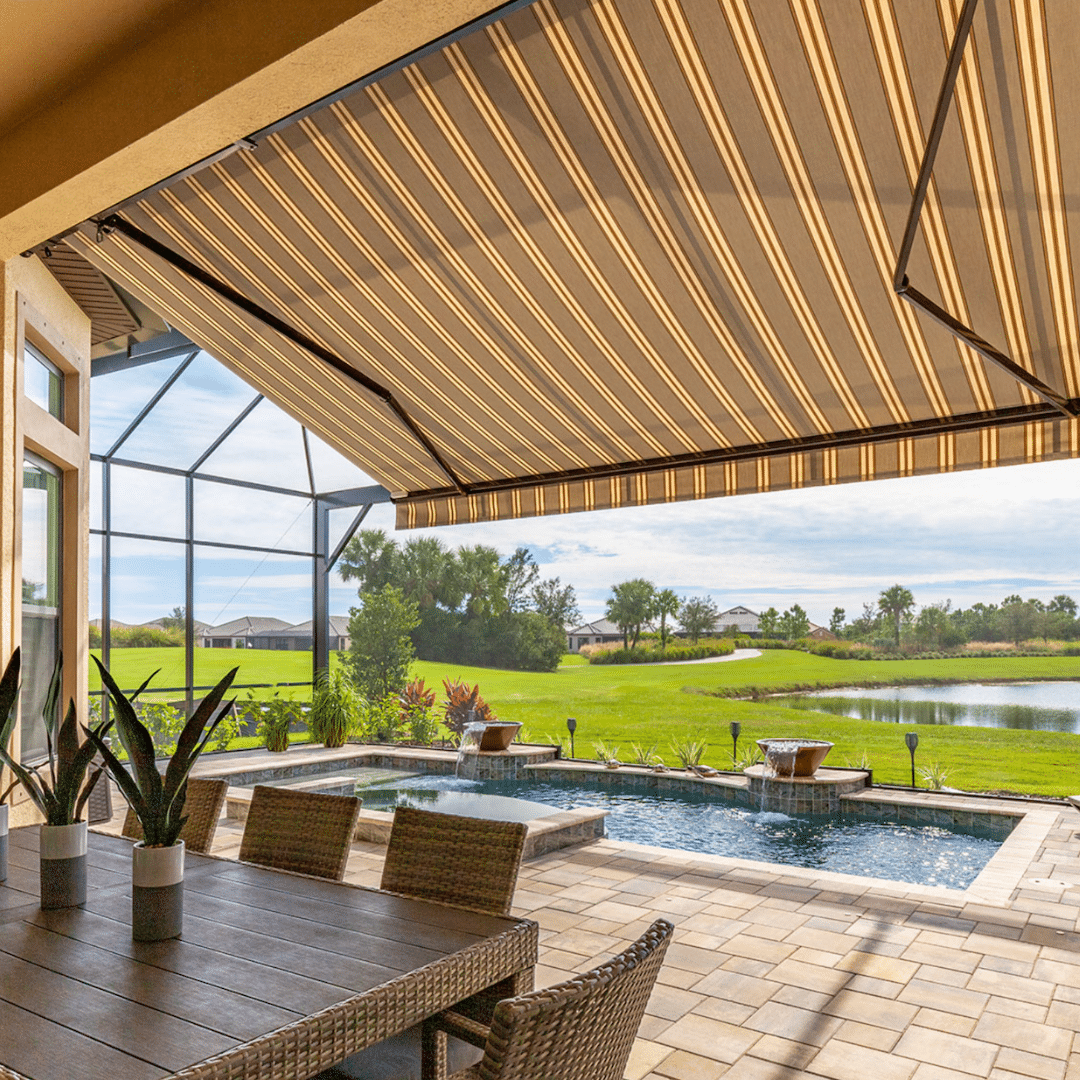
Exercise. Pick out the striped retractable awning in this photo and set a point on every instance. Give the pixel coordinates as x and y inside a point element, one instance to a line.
<point>612,252</point>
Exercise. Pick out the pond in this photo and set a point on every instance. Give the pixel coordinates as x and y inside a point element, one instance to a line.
<point>1042,706</point>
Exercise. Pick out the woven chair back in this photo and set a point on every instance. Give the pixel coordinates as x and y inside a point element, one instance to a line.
<point>203,805</point>
<point>454,860</point>
<point>581,1029</point>
<point>304,831</point>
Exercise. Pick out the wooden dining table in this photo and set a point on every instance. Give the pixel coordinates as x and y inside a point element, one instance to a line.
<point>276,976</point>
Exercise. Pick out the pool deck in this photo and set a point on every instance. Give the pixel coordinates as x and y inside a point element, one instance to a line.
<point>778,972</point>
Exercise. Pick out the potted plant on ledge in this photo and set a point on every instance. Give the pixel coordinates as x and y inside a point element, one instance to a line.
<point>60,793</point>
<point>157,866</point>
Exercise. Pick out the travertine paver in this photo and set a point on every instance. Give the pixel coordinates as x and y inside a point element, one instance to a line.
<point>784,974</point>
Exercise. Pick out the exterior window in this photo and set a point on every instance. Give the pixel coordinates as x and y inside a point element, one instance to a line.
<point>43,382</point>
<point>41,571</point>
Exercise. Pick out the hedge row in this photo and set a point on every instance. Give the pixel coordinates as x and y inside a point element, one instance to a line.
<point>641,655</point>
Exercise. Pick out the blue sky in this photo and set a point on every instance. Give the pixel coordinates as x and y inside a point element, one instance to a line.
<point>964,537</point>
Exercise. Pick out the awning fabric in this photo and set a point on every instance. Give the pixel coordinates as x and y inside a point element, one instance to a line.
<point>635,251</point>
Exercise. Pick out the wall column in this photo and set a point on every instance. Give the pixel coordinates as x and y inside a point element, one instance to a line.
<point>35,309</point>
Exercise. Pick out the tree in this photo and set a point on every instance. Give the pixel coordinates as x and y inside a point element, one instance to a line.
<point>932,626</point>
<point>556,602</point>
<point>1019,619</point>
<point>630,607</point>
<point>520,574</point>
<point>836,623</point>
<point>794,624</point>
<point>369,558</point>
<point>665,606</point>
<point>538,644</point>
<point>896,602</point>
<point>176,621</point>
<point>769,623</point>
<point>381,650</point>
<point>481,580</point>
<point>426,573</point>
<point>697,616</point>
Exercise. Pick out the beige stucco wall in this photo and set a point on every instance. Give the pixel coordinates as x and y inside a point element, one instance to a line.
<point>32,305</point>
<point>187,82</point>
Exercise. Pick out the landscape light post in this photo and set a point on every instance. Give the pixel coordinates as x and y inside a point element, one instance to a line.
<point>571,725</point>
<point>736,727</point>
<point>912,741</point>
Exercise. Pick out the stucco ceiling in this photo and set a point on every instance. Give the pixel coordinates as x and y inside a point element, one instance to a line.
<point>48,47</point>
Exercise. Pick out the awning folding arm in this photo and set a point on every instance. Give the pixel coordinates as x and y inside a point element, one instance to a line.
<point>903,287</point>
<point>116,223</point>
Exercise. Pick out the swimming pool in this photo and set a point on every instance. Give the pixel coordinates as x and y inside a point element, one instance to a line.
<point>899,851</point>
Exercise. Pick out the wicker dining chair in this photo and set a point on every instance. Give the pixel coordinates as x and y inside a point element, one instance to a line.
<point>580,1029</point>
<point>304,831</point>
<point>468,862</point>
<point>203,805</point>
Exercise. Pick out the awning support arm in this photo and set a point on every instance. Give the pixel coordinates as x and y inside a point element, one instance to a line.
<point>115,223</point>
<point>903,287</point>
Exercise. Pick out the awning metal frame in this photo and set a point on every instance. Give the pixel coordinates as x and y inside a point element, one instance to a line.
<point>902,285</point>
<point>1052,406</point>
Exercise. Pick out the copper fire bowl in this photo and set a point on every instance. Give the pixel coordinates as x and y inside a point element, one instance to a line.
<point>795,757</point>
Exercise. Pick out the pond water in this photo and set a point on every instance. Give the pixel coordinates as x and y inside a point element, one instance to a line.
<point>1042,706</point>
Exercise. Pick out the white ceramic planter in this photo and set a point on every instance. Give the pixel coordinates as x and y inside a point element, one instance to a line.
<point>157,892</point>
<point>63,865</point>
<point>3,841</point>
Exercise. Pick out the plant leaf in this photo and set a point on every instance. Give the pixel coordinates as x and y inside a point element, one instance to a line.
<point>128,788</point>
<point>9,697</point>
<point>187,745</point>
<point>134,737</point>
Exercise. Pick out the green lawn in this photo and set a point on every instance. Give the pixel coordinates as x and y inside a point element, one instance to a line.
<point>648,704</point>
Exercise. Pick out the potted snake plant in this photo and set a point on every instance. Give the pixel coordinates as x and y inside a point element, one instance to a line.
<point>157,867</point>
<point>59,788</point>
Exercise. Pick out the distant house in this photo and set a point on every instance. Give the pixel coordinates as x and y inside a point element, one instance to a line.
<point>592,633</point>
<point>240,633</point>
<point>298,638</point>
<point>821,633</point>
<point>741,618</point>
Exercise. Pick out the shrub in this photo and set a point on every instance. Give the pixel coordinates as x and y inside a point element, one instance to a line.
<point>643,655</point>
<point>278,716</point>
<point>464,706</point>
<point>416,702</point>
<point>382,720</point>
<point>605,753</point>
<point>335,708</point>
<point>689,751</point>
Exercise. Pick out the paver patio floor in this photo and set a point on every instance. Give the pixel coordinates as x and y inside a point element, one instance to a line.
<point>776,972</point>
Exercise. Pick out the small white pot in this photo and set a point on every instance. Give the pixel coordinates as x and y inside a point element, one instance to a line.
<point>63,865</point>
<point>157,892</point>
<point>3,841</point>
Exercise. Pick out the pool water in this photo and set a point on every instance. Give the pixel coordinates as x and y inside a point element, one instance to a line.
<point>919,854</point>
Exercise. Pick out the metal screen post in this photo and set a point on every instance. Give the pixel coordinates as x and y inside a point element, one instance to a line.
<point>106,575</point>
<point>189,595</point>
<point>320,589</point>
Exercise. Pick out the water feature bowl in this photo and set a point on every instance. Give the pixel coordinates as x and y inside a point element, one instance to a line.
<point>499,736</point>
<point>794,757</point>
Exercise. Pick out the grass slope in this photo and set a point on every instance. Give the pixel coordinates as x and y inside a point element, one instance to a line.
<point>653,704</point>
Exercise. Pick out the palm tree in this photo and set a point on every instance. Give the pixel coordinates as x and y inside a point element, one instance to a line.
<point>665,604</point>
<point>896,602</point>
